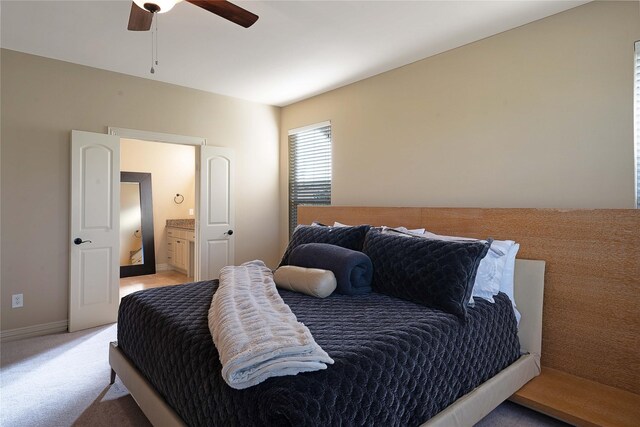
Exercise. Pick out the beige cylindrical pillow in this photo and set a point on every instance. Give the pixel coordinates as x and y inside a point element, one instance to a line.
<point>311,281</point>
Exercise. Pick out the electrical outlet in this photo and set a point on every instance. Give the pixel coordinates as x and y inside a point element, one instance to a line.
<point>17,301</point>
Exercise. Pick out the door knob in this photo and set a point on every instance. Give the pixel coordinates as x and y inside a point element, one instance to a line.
<point>79,241</point>
<point>230,232</point>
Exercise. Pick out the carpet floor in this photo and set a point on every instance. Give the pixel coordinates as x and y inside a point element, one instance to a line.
<point>63,380</point>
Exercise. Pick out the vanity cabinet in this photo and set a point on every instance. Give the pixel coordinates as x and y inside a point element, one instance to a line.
<point>179,249</point>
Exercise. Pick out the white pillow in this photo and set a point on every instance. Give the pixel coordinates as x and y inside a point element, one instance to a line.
<point>491,268</point>
<point>507,281</point>
<point>311,281</point>
<point>418,231</point>
<point>384,228</point>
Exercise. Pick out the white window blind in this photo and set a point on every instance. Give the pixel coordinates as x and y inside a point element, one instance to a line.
<point>309,168</point>
<point>636,118</point>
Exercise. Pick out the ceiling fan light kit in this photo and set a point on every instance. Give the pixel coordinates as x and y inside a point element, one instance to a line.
<point>142,12</point>
<point>156,6</point>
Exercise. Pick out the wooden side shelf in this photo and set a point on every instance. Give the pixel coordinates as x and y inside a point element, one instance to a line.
<point>579,401</point>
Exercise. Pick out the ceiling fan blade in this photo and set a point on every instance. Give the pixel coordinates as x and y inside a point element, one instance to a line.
<point>139,19</point>
<point>227,10</point>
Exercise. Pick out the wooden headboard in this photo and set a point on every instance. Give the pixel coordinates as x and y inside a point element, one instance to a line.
<point>591,314</point>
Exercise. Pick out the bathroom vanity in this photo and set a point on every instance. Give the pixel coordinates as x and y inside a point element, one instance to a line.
<point>181,237</point>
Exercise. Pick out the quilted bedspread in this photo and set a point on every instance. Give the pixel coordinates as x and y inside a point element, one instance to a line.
<point>396,363</point>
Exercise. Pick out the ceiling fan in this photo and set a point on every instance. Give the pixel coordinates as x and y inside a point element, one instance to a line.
<point>142,12</point>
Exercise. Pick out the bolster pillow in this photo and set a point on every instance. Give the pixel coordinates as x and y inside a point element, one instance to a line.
<point>353,269</point>
<point>311,281</point>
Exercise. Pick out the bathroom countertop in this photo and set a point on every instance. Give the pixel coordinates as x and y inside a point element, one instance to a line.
<point>185,224</point>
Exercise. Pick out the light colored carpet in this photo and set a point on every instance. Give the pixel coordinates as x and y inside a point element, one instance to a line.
<point>63,380</point>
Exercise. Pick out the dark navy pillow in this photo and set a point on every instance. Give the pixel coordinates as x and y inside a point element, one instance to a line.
<point>346,237</point>
<point>435,273</point>
<point>353,269</point>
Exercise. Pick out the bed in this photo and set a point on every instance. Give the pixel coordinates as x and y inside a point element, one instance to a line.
<point>168,363</point>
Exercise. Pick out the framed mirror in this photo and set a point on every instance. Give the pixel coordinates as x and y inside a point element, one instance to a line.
<point>137,252</point>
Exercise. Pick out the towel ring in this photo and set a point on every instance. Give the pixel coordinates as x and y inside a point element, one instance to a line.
<point>178,199</point>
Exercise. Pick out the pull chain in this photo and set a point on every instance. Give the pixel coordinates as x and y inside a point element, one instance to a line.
<point>154,44</point>
<point>157,16</point>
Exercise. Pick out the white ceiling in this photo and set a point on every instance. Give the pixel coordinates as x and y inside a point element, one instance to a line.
<point>297,49</point>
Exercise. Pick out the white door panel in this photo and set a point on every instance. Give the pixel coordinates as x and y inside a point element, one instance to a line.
<point>218,251</point>
<point>95,266</point>
<point>216,211</point>
<point>95,195</point>
<point>95,182</point>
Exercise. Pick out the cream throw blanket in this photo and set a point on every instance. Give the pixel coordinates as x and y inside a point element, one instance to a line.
<point>256,333</point>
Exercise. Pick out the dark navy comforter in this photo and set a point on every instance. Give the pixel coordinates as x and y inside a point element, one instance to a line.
<point>396,363</point>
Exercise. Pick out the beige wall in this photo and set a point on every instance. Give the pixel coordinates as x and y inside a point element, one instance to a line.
<point>539,116</point>
<point>42,100</point>
<point>173,170</point>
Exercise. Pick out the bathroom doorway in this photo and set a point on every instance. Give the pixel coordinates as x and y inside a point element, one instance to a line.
<point>171,172</point>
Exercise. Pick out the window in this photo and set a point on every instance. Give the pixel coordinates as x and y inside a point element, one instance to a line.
<point>636,116</point>
<point>309,168</point>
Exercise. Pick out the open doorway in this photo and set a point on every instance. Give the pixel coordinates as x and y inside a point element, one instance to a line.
<point>171,170</point>
<point>95,217</point>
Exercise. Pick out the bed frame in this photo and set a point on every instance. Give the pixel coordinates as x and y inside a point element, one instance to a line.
<point>466,411</point>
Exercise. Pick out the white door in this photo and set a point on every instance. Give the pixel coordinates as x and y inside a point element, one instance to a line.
<point>215,212</point>
<point>95,224</point>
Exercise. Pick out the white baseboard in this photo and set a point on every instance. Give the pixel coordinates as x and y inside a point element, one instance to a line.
<point>34,331</point>
<point>163,267</point>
